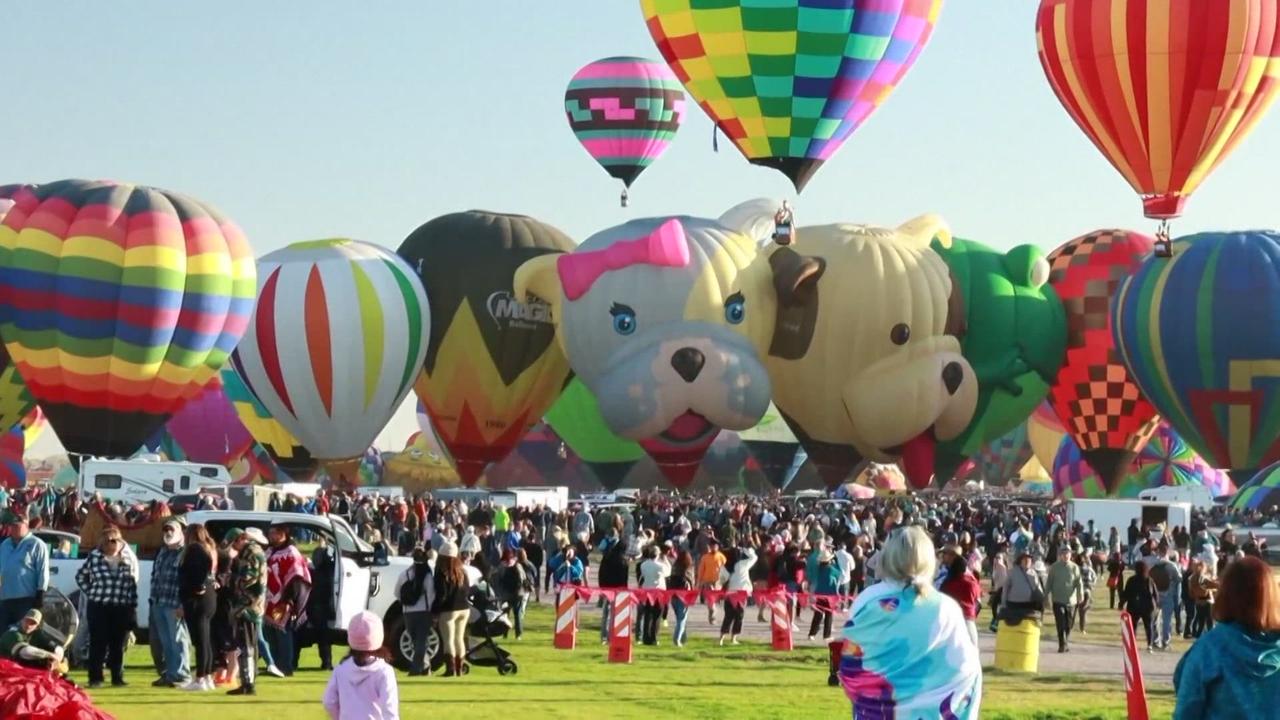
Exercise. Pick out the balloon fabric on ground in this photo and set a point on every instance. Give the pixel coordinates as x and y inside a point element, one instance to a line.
<point>1093,395</point>
<point>336,340</point>
<point>1014,337</point>
<point>111,343</point>
<point>493,366</point>
<point>1165,90</point>
<point>624,111</point>
<point>1262,493</point>
<point>1200,333</point>
<point>789,81</point>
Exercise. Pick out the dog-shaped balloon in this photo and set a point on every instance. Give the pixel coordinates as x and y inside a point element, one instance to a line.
<point>666,321</point>
<point>866,361</point>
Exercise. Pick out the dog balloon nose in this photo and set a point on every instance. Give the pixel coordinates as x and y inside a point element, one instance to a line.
<point>688,363</point>
<point>952,376</point>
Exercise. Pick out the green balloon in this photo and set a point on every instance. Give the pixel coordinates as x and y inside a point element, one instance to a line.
<point>575,417</point>
<point>1015,340</point>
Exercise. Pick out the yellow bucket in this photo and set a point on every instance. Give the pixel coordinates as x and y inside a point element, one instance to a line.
<point>1018,646</point>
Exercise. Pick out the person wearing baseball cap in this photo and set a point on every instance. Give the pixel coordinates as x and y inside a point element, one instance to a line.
<point>170,640</point>
<point>17,644</point>
<point>24,569</point>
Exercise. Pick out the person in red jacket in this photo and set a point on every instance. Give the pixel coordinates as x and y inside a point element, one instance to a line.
<point>962,586</point>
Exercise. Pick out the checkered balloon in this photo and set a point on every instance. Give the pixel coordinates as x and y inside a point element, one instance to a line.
<point>788,81</point>
<point>1093,395</point>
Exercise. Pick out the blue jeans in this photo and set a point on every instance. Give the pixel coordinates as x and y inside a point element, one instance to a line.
<point>174,641</point>
<point>264,649</point>
<point>1170,604</point>
<point>280,640</point>
<point>604,621</point>
<point>679,635</point>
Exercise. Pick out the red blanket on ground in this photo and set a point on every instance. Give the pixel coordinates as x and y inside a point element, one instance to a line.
<point>27,694</point>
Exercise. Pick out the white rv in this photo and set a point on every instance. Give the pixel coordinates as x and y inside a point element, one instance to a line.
<point>147,477</point>
<point>1107,514</point>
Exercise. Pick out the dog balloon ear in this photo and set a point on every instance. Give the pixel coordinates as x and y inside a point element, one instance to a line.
<point>540,278</point>
<point>795,280</point>
<point>923,230</point>
<point>753,218</point>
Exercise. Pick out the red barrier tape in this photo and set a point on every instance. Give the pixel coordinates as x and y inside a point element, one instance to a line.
<point>824,602</point>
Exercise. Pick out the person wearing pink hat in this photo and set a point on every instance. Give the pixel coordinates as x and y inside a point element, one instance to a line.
<point>363,686</point>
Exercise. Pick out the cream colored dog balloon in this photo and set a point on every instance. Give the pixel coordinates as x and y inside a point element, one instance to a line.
<point>866,361</point>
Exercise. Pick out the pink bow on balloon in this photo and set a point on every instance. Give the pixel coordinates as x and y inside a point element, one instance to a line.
<point>664,247</point>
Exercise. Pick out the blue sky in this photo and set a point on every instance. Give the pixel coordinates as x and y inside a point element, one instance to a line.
<point>320,119</point>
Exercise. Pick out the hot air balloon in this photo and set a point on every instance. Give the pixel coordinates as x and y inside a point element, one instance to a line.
<point>1165,90</point>
<point>335,342</point>
<point>284,451</point>
<point>13,469</point>
<point>999,461</point>
<point>773,446</point>
<point>1045,433</point>
<point>1201,335</point>
<point>16,402</point>
<point>493,366</point>
<point>1165,460</point>
<point>789,81</point>
<point>1093,395</point>
<point>575,418</point>
<point>624,111</point>
<point>117,304</point>
<point>429,437</point>
<point>208,428</point>
<point>1261,494</point>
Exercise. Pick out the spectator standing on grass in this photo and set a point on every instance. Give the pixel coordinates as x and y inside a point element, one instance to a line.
<point>681,578</point>
<point>907,652</point>
<point>1202,588</point>
<point>962,586</point>
<point>451,588</point>
<point>110,585</point>
<point>826,580</point>
<point>24,570</point>
<point>363,687</point>
<point>1167,577</point>
<point>1233,670</point>
<point>736,581</point>
<point>247,579</point>
<point>1115,576</point>
<point>196,588</point>
<point>166,627</point>
<point>415,589</point>
<point>999,575</point>
<point>1088,578</point>
<point>288,587</point>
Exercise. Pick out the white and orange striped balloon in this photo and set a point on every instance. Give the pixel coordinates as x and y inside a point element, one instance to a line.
<point>338,336</point>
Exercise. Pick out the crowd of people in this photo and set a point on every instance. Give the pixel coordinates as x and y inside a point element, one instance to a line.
<point>221,606</point>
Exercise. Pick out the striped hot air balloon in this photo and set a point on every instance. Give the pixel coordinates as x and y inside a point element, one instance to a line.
<point>1262,493</point>
<point>1165,90</point>
<point>1093,395</point>
<point>788,81</point>
<point>624,111</point>
<point>118,303</point>
<point>1200,334</point>
<point>337,338</point>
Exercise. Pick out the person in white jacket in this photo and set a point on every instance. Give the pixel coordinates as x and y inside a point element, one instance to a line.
<point>653,576</point>
<point>737,579</point>
<point>363,687</point>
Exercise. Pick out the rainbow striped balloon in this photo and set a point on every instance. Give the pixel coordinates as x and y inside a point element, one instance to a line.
<point>338,337</point>
<point>624,111</point>
<point>118,303</point>
<point>790,80</point>
<point>1262,493</point>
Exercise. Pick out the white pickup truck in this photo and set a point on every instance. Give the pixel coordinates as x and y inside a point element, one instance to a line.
<point>359,584</point>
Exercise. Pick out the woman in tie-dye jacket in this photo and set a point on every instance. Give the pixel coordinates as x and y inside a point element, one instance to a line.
<point>907,653</point>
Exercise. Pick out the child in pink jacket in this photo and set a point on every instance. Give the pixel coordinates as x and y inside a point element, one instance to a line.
<point>363,686</point>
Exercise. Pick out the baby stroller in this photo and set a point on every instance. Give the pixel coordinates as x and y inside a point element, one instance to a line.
<point>489,618</point>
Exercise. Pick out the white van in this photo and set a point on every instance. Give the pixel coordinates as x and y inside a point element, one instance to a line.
<point>147,477</point>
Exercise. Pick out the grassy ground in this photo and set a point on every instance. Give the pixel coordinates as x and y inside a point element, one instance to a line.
<point>701,680</point>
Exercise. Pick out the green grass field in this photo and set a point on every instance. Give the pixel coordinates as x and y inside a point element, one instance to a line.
<point>698,681</point>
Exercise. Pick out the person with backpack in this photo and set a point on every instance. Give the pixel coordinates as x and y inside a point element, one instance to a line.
<point>416,591</point>
<point>1139,600</point>
<point>1167,577</point>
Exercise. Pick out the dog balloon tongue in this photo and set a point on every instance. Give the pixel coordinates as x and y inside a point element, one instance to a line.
<point>917,459</point>
<point>679,450</point>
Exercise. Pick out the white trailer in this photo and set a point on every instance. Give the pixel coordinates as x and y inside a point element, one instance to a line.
<point>146,478</point>
<point>1107,514</point>
<point>556,498</point>
<point>1198,495</point>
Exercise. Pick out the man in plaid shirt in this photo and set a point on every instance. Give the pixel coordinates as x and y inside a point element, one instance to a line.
<point>248,602</point>
<point>170,641</point>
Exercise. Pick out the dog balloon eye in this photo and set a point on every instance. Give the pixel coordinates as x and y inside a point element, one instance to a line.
<point>735,309</point>
<point>624,319</point>
<point>900,334</point>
